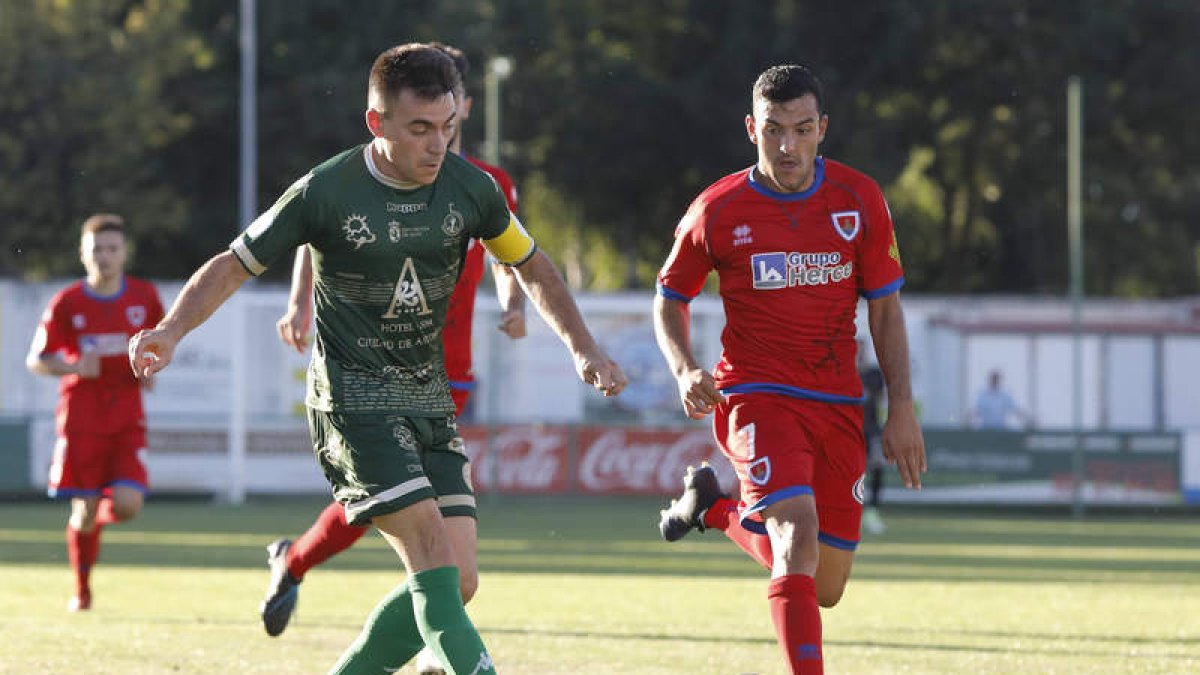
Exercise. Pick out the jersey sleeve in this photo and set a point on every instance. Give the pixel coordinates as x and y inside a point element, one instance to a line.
<point>54,332</point>
<point>682,275</point>
<point>501,232</point>
<point>278,231</point>
<point>882,273</point>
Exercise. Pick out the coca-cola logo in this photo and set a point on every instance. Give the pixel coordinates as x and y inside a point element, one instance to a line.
<point>650,462</point>
<point>521,459</point>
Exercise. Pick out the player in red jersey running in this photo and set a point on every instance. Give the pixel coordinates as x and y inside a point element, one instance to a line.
<point>330,534</point>
<point>796,239</point>
<point>99,421</point>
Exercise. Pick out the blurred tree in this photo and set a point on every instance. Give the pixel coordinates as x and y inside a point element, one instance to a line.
<point>84,125</point>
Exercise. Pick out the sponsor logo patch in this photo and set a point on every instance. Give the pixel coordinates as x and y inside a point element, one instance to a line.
<point>771,271</point>
<point>741,235</point>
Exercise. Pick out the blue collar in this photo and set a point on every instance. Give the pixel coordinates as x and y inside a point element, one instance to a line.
<point>818,179</point>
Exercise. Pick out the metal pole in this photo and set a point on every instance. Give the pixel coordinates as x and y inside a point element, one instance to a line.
<point>247,208</point>
<point>1075,246</point>
<point>498,68</point>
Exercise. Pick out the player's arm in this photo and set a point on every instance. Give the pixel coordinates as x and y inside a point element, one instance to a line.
<point>151,350</point>
<point>293,327</point>
<point>512,301</point>
<point>903,444</point>
<point>55,364</point>
<point>546,288</point>
<point>672,330</point>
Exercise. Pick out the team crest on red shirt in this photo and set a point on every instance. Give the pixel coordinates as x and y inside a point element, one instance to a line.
<point>136,315</point>
<point>847,224</point>
<point>78,321</point>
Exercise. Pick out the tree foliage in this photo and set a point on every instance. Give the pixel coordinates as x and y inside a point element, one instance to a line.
<point>619,113</point>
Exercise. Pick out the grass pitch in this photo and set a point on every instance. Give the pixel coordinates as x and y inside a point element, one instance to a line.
<point>584,586</point>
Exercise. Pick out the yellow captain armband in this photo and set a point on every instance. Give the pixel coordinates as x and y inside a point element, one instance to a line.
<point>513,246</point>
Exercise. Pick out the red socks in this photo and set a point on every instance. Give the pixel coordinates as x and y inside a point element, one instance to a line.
<point>723,515</point>
<point>797,622</point>
<point>83,548</point>
<point>325,538</point>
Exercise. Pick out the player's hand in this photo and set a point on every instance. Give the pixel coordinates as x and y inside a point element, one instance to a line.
<point>150,351</point>
<point>602,373</point>
<point>293,327</point>
<point>512,323</point>
<point>698,392</point>
<point>88,365</point>
<point>904,446</point>
<point>148,383</point>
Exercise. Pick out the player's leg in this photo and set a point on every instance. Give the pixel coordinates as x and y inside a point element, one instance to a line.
<point>792,526</point>
<point>83,549</point>
<point>382,482</point>
<point>464,542</point>
<point>839,475</point>
<point>289,561</point>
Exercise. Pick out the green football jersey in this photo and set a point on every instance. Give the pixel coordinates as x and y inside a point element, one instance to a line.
<point>385,260</point>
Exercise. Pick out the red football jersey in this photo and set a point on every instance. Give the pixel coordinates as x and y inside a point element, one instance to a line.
<point>791,268</point>
<point>77,321</point>
<point>456,336</point>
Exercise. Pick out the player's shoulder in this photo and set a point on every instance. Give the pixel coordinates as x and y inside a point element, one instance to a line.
<point>721,192</point>
<point>140,286</point>
<point>72,292</point>
<point>332,174</point>
<point>847,177</point>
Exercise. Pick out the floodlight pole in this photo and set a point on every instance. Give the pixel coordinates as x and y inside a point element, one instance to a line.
<point>247,207</point>
<point>498,70</point>
<point>1075,246</point>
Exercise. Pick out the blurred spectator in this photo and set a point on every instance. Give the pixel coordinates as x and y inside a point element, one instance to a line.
<point>994,406</point>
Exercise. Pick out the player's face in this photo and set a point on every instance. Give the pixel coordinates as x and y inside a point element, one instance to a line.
<point>103,254</point>
<point>787,135</point>
<point>413,135</point>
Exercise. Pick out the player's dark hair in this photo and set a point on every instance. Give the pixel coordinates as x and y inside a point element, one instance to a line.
<point>460,59</point>
<point>103,222</point>
<point>428,71</point>
<point>779,84</point>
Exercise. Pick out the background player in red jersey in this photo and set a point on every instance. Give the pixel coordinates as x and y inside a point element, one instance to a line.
<point>795,240</point>
<point>99,421</point>
<point>330,534</point>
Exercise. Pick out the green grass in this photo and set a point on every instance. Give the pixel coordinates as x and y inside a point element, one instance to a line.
<point>584,586</point>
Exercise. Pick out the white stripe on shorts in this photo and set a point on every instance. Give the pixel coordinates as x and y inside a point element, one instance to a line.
<point>355,508</point>
<point>456,500</point>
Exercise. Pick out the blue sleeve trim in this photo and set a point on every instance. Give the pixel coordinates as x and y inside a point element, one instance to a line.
<point>462,385</point>
<point>69,493</point>
<point>836,542</point>
<point>670,294</point>
<point>129,484</point>
<point>794,392</point>
<point>885,290</point>
<point>756,526</point>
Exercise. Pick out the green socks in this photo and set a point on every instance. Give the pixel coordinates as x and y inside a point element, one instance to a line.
<point>388,640</point>
<point>444,625</point>
<point>426,610</point>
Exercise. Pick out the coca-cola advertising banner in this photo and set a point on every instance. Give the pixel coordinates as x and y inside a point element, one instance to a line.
<point>559,459</point>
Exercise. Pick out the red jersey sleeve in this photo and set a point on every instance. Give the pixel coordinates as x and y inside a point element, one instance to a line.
<point>882,273</point>
<point>55,332</point>
<point>682,275</point>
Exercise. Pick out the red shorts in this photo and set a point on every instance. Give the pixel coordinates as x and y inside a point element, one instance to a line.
<point>85,465</point>
<point>781,447</point>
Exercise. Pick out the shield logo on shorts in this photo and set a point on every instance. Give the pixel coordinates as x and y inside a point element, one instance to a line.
<point>847,224</point>
<point>759,471</point>
<point>859,491</point>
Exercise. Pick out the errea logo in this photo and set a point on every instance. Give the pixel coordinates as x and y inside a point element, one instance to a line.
<point>741,235</point>
<point>771,271</point>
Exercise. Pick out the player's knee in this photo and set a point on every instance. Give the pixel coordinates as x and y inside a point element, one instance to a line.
<point>125,511</point>
<point>830,597</point>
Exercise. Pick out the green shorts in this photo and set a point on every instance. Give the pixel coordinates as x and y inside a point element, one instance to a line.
<point>378,463</point>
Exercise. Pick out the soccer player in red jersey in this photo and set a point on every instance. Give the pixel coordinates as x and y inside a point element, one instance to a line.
<point>99,422</point>
<point>330,534</point>
<point>795,239</point>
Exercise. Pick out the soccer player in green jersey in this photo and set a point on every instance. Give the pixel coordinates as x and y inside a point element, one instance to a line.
<point>387,224</point>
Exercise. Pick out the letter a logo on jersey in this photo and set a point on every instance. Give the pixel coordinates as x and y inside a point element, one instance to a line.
<point>769,270</point>
<point>847,224</point>
<point>408,297</point>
